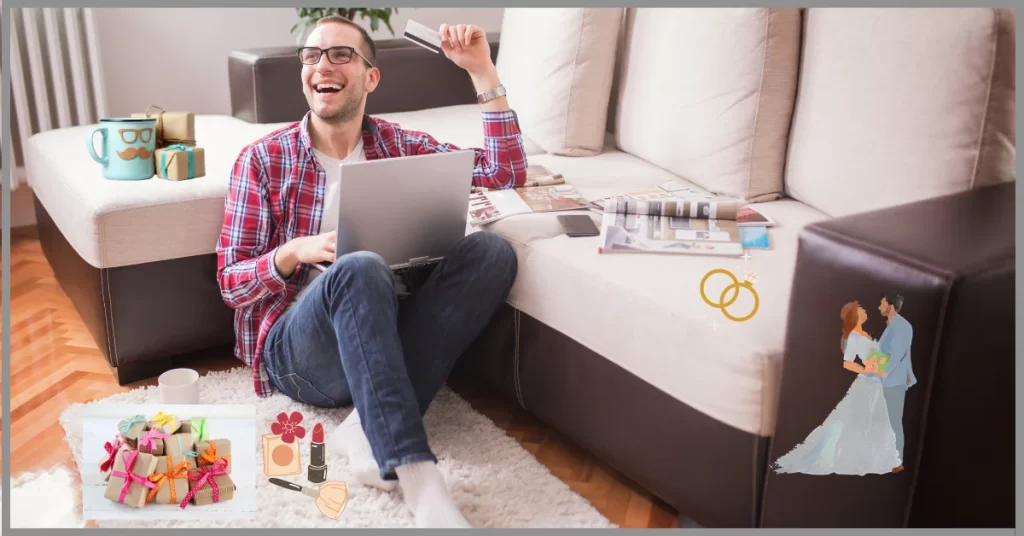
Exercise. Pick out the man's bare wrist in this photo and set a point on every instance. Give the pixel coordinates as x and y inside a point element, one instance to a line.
<point>285,260</point>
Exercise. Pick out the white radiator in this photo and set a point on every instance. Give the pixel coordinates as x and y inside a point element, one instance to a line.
<point>56,74</point>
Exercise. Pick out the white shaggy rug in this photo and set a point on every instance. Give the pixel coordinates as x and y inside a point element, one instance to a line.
<point>494,481</point>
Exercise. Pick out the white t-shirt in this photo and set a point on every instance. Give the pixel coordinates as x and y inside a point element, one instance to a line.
<point>329,217</point>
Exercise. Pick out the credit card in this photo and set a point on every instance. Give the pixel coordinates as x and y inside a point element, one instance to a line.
<point>423,36</point>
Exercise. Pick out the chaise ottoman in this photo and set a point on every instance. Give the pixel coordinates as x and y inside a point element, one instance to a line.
<point>137,258</point>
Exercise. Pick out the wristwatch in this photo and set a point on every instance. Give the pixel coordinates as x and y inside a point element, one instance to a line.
<point>491,94</point>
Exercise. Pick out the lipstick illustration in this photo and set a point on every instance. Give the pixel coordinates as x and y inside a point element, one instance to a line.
<point>317,456</point>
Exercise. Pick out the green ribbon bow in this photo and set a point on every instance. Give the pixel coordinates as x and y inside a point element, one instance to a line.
<point>199,429</point>
<point>191,159</point>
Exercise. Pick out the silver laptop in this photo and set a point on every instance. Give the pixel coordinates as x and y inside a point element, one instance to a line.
<point>409,210</point>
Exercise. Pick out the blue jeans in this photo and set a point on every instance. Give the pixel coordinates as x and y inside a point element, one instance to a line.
<point>349,339</point>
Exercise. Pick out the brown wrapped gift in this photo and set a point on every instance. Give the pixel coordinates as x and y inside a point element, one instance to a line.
<point>213,450</point>
<point>204,491</point>
<point>173,482</point>
<point>107,462</point>
<point>131,428</point>
<point>179,444</point>
<point>172,162</point>
<point>169,424</point>
<point>172,127</point>
<point>142,465</point>
<point>152,441</point>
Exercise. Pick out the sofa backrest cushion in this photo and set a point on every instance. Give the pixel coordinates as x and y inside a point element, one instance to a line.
<point>557,66</point>
<point>899,105</point>
<point>708,94</point>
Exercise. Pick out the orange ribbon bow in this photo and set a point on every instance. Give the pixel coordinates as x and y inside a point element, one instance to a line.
<point>181,471</point>
<point>210,456</point>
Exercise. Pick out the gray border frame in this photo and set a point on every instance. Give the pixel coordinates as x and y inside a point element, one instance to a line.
<point>6,238</point>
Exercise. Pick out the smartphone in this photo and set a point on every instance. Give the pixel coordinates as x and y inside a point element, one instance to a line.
<point>578,225</point>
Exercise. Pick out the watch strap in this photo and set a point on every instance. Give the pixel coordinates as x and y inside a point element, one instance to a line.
<point>491,94</point>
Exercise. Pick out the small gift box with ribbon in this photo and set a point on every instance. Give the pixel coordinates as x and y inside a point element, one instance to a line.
<point>181,444</point>
<point>107,463</point>
<point>129,481</point>
<point>200,432</point>
<point>180,162</point>
<point>172,127</point>
<point>213,451</point>
<point>152,441</point>
<point>210,484</point>
<point>171,479</point>
<point>132,428</point>
<point>168,424</point>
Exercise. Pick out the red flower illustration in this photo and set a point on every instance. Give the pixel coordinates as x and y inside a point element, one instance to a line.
<point>288,428</point>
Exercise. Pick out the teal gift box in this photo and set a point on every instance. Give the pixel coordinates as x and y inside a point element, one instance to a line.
<point>180,162</point>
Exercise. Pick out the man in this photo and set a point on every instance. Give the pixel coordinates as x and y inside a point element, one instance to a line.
<point>351,334</point>
<point>895,343</point>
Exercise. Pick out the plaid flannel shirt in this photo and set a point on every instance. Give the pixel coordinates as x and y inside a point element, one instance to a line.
<point>276,193</point>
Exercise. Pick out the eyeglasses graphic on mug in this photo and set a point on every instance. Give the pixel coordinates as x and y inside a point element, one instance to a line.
<point>131,135</point>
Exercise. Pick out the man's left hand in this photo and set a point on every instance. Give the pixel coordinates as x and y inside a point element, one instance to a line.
<point>466,45</point>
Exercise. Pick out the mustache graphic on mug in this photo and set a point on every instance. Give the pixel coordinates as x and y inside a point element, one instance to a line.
<point>134,152</point>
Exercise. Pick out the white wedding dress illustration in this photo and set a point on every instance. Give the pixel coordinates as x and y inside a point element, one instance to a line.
<point>856,437</point>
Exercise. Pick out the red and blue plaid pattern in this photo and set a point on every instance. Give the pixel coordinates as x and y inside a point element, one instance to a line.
<point>276,194</point>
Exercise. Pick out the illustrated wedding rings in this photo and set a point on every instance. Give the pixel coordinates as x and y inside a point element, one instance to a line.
<point>735,287</point>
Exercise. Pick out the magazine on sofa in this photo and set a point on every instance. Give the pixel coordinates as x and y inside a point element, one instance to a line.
<point>643,233</point>
<point>493,205</point>
<point>673,198</point>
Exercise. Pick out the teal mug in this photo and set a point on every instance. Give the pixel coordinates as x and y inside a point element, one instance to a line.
<point>127,147</point>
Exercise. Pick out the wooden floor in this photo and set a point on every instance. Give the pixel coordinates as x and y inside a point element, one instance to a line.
<point>55,362</point>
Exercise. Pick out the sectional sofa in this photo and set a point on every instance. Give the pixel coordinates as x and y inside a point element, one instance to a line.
<point>882,141</point>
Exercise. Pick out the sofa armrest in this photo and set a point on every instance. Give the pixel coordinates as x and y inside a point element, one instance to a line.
<point>265,83</point>
<point>952,260</point>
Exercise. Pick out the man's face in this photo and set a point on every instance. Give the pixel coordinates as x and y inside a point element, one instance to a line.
<point>354,78</point>
<point>884,308</point>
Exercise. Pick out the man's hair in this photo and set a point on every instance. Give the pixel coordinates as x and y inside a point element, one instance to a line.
<point>894,300</point>
<point>370,45</point>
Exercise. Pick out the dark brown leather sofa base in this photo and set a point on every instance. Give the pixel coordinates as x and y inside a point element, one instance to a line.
<point>708,471</point>
<point>952,259</point>
<point>144,316</point>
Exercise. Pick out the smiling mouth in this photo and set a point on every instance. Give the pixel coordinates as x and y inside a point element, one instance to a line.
<point>327,88</point>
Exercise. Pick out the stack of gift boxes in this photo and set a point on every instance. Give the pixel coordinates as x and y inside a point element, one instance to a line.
<point>176,157</point>
<point>164,460</point>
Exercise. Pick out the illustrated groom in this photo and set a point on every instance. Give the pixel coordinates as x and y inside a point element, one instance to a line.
<point>895,343</point>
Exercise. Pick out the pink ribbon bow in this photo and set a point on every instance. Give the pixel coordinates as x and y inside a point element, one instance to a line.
<point>150,437</point>
<point>111,449</point>
<point>205,476</point>
<point>129,477</point>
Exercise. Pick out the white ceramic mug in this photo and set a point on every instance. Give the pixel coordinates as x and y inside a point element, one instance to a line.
<point>179,386</point>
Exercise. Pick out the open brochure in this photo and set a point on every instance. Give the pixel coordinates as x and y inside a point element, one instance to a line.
<point>673,198</point>
<point>493,205</point>
<point>641,233</point>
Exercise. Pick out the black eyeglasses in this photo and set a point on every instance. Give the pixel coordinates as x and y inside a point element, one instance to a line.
<point>336,55</point>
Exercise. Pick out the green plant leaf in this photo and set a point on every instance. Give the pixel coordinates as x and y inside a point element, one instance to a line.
<point>374,22</point>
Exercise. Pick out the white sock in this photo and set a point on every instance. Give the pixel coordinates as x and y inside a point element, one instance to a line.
<point>427,496</point>
<point>349,438</point>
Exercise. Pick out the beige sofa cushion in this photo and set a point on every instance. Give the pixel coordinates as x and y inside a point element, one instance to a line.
<point>644,312</point>
<point>708,94</point>
<point>557,65</point>
<point>899,105</point>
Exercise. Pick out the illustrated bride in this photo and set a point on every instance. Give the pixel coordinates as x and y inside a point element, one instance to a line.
<point>856,437</point>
